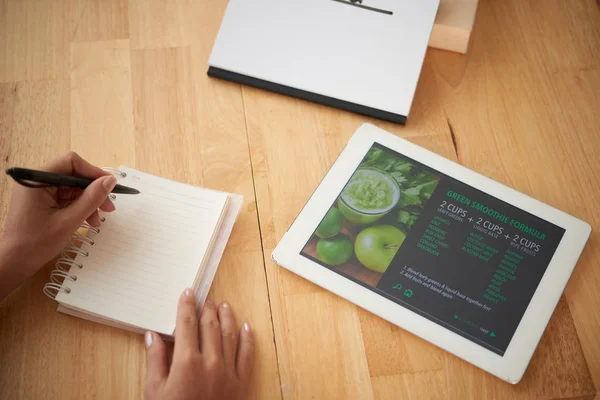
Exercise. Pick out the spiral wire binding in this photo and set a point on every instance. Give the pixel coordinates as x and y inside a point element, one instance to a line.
<point>62,272</point>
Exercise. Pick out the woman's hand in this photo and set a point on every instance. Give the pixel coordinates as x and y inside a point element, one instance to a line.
<point>211,360</point>
<point>40,222</point>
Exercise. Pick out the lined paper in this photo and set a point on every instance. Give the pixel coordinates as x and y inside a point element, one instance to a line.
<point>147,252</point>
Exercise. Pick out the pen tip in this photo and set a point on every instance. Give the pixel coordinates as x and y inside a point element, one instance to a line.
<point>9,171</point>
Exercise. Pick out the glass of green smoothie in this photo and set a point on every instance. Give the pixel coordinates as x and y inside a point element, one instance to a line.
<point>369,195</point>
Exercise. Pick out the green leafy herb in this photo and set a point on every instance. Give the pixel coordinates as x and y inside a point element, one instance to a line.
<point>407,218</point>
<point>410,197</point>
<point>416,185</point>
<point>399,177</point>
<point>398,169</point>
<point>422,185</point>
<point>427,189</point>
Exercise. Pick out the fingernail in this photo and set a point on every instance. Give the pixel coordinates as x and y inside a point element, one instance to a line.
<point>225,304</point>
<point>209,303</point>
<point>246,327</point>
<point>187,292</point>
<point>109,183</point>
<point>148,339</point>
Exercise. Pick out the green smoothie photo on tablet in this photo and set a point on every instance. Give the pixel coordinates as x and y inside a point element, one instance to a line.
<point>364,229</point>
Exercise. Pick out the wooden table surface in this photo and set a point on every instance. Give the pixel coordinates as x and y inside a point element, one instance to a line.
<point>124,82</point>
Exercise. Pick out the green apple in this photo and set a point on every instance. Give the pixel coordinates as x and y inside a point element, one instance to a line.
<point>331,224</point>
<point>376,246</point>
<point>336,250</point>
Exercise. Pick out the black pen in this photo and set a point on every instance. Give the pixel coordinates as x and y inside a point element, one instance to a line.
<point>24,176</point>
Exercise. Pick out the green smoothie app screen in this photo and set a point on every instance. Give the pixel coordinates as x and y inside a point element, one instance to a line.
<point>443,249</point>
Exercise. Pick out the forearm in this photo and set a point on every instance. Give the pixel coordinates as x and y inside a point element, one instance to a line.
<point>11,272</point>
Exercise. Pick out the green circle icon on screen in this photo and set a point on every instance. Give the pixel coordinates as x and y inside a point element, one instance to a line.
<point>397,286</point>
<point>408,293</point>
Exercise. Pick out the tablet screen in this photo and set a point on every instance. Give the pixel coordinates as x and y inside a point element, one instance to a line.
<point>443,249</point>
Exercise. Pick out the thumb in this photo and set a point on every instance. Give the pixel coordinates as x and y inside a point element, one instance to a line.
<point>91,198</point>
<point>156,362</point>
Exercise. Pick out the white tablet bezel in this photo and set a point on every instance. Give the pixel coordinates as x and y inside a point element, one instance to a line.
<point>513,364</point>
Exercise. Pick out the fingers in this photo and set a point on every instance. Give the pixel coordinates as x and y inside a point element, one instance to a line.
<point>91,199</point>
<point>72,164</point>
<point>156,361</point>
<point>94,219</point>
<point>245,355</point>
<point>107,206</point>
<point>210,332</point>
<point>229,335</point>
<point>186,330</point>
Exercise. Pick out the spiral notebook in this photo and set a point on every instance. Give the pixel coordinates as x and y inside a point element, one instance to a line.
<point>130,271</point>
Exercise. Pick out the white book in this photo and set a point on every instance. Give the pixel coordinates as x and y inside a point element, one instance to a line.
<point>363,56</point>
<point>131,271</point>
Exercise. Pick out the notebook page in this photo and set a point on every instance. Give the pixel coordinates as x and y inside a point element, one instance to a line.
<point>210,269</point>
<point>147,252</point>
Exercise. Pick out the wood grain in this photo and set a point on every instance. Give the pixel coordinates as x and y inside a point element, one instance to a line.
<point>159,24</point>
<point>34,39</point>
<point>101,20</point>
<point>162,80</point>
<point>124,82</point>
<point>325,328</point>
<point>7,107</point>
<point>101,102</point>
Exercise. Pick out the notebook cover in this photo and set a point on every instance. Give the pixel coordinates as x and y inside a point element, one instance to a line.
<point>304,95</point>
<point>363,56</point>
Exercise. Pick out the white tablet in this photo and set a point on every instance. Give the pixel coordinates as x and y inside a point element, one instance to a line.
<point>456,258</point>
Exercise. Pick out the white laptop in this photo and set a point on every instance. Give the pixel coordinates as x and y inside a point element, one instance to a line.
<point>363,56</point>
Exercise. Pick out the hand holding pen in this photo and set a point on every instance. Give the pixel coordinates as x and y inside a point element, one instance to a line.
<point>40,222</point>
